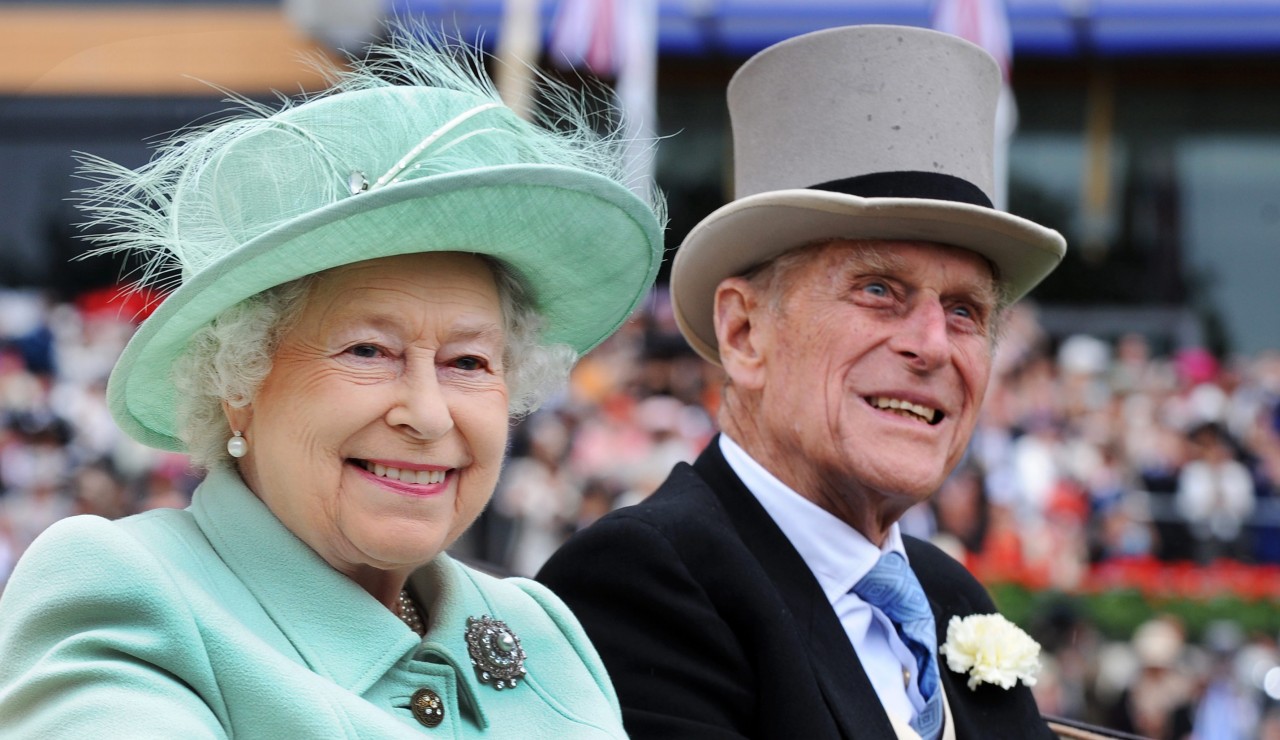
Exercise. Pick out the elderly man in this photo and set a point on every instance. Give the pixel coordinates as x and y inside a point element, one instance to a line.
<point>853,294</point>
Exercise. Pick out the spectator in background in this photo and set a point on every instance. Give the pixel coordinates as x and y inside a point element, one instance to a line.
<point>1157,702</point>
<point>21,389</point>
<point>1215,494</point>
<point>961,510</point>
<point>599,497</point>
<point>1122,529</point>
<point>539,496</point>
<point>97,489</point>
<point>1131,370</point>
<point>1263,441</point>
<point>674,433</point>
<point>34,467</point>
<point>1225,708</point>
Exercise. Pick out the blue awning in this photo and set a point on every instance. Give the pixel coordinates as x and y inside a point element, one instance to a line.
<point>1040,27</point>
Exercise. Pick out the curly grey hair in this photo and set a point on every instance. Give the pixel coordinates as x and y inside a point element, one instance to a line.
<point>229,358</point>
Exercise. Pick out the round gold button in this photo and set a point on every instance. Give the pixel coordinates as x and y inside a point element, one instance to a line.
<point>427,707</point>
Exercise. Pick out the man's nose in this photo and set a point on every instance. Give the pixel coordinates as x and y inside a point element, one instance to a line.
<point>922,336</point>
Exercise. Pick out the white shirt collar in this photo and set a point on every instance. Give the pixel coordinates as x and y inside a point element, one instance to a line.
<point>838,554</point>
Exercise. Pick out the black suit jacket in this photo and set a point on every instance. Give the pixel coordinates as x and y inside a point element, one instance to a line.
<point>712,626</point>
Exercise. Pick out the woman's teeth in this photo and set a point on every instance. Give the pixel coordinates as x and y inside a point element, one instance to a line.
<point>420,477</point>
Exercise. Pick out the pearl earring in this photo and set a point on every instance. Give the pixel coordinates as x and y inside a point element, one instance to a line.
<point>237,446</point>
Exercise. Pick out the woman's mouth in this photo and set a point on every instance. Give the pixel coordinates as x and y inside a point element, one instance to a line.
<point>403,475</point>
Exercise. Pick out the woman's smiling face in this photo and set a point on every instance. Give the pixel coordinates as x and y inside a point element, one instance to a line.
<point>378,435</point>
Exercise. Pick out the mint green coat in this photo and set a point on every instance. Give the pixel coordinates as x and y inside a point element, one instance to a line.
<point>215,621</point>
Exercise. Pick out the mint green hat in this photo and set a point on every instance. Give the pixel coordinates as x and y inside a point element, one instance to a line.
<point>371,169</point>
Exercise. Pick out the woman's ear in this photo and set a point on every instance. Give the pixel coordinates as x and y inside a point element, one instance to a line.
<point>238,417</point>
<point>740,331</point>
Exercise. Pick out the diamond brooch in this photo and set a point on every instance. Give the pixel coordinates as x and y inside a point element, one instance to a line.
<point>495,652</point>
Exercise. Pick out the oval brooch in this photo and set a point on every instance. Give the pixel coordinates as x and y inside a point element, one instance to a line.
<point>495,652</point>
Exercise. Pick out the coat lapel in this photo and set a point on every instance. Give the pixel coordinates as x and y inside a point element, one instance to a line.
<point>337,629</point>
<point>844,684</point>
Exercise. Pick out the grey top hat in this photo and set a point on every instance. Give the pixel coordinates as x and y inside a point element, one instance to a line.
<point>860,132</point>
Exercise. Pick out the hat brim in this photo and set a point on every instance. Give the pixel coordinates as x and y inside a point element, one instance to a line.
<point>585,247</point>
<point>752,230</point>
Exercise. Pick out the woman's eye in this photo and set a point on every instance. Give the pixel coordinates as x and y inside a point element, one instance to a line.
<point>469,363</point>
<point>364,351</point>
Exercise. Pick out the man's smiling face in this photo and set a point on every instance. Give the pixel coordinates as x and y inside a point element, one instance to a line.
<point>874,363</point>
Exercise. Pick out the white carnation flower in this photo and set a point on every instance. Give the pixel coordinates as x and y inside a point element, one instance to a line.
<point>991,649</point>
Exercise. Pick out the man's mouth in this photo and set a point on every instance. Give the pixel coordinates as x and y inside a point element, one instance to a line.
<point>418,477</point>
<point>906,409</point>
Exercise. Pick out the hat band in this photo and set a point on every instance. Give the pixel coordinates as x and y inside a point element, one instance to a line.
<point>908,184</point>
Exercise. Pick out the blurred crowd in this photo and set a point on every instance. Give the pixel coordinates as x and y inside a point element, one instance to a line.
<point>1089,450</point>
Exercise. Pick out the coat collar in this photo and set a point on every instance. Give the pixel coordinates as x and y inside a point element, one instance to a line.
<point>454,595</point>
<point>336,627</point>
<point>848,692</point>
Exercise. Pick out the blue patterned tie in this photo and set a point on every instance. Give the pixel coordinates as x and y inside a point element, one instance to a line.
<point>893,589</point>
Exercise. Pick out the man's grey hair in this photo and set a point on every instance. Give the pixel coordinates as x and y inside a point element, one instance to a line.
<point>229,358</point>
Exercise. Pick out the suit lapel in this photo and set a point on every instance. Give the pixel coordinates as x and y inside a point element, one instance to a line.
<point>844,684</point>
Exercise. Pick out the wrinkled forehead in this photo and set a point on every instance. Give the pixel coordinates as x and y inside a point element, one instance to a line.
<point>891,254</point>
<point>831,258</point>
<point>389,291</point>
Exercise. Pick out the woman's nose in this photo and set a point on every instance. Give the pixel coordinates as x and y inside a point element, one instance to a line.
<point>421,408</point>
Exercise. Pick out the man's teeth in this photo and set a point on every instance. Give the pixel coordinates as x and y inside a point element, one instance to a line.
<point>420,477</point>
<point>905,408</point>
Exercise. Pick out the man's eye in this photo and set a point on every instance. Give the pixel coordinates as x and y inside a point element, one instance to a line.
<point>876,289</point>
<point>963,312</point>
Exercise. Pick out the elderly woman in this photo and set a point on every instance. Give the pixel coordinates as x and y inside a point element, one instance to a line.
<point>370,283</point>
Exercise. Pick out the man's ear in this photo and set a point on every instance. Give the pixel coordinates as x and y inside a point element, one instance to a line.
<point>741,331</point>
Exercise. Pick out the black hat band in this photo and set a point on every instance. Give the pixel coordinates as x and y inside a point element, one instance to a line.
<point>909,184</point>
